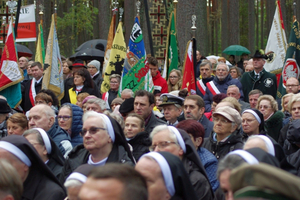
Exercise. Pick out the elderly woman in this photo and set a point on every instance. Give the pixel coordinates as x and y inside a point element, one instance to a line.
<point>82,83</point>
<point>235,72</point>
<point>208,160</point>
<point>70,119</point>
<point>46,148</point>
<point>17,124</point>
<point>267,105</point>
<point>103,142</point>
<point>114,83</point>
<point>94,69</point>
<point>166,177</point>
<point>174,80</point>
<point>285,104</point>
<point>170,139</point>
<point>75,181</point>
<point>226,135</point>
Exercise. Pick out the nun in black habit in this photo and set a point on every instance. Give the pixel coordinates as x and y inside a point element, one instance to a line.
<point>53,157</point>
<point>120,152</point>
<point>175,177</point>
<point>40,182</point>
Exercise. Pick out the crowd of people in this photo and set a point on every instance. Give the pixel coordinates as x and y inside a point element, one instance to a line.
<point>231,140</point>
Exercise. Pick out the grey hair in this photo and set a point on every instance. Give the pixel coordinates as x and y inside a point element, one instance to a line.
<point>117,117</point>
<point>72,183</point>
<point>128,91</point>
<point>229,162</point>
<point>222,64</point>
<point>163,128</point>
<point>98,101</point>
<point>89,114</point>
<point>36,133</point>
<point>205,62</point>
<point>177,106</point>
<point>49,111</point>
<point>234,86</point>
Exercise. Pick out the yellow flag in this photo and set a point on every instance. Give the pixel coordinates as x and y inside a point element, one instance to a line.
<point>116,59</point>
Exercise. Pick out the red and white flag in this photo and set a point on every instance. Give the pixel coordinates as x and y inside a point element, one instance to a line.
<point>10,73</point>
<point>188,81</point>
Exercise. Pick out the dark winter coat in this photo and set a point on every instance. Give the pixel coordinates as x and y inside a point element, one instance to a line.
<point>140,144</point>
<point>153,122</point>
<point>274,124</point>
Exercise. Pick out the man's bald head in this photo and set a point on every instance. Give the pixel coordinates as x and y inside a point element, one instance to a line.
<point>41,116</point>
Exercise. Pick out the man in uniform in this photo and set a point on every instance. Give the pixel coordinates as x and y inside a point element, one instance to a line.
<point>172,106</point>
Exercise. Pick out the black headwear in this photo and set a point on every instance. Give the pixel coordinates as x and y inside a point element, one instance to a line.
<point>264,157</point>
<point>259,54</point>
<point>4,107</point>
<point>127,106</point>
<point>37,168</point>
<point>260,115</point>
<point>77,63</point>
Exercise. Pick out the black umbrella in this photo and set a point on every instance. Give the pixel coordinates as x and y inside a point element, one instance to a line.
<point>93,44</point>
<point>89,54</point>
<point>23,51</point>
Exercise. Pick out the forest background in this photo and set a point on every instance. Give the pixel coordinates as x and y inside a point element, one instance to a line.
<point>219,23</point>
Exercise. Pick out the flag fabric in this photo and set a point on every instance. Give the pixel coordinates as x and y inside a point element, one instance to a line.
<point>292,59</point>
<point>276,45</point>
<point>110,38</point>
<point>53,70</point>
<point>116,58</point>
<point>136,74</point>
<point>40,47</point>
<point>172,58</point>
<point>188,80</point>
<point>10,74</point>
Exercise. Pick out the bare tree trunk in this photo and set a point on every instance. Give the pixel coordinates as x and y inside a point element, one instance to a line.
<point>104,18</point>
<point>234,28</point>
<point>217,21</point>
<point>224,22</point>
<point>251,26</point>
<point>257,24</point>
<point>129,14</point>
<point>261,24</point>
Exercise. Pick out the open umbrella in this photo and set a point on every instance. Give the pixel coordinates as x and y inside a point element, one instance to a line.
<point>99,44</point>
<point>23,51</point>
<point>89,54</point>
<point>236,50</point>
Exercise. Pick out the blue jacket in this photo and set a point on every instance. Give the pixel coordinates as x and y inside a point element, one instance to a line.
<point>58,135</point>
<point>76,126</point>
<point>222,87</point>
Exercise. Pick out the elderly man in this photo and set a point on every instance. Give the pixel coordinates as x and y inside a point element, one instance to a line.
<point>94,70</point>
<point>226,136</point>
<point>233,91</point>
<point>193,108</point>
<point>206,76</point>
<point>103,142</point>
<point>166,177</point>
<point>127,94</point>
<point>114,181</point>
<point>32,87</point>
<point>143,106</point>
<point>219,85</point>
<point>43,116</point>
<point>95,104</point>
<point>259,78</point>
<point>11,185</point>
<point>38,180</point>
<point>159,82</point>
<point>253,97</point>
<point>172,106</point>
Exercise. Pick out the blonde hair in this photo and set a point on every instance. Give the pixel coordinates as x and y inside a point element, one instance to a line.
<point>269,98</point>
<point>282,101</point>
<point>234,102</point>
<point>295,98</point>
<point>177,86</point>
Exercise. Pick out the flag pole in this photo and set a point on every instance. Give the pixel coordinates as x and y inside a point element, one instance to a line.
<point>175,10</point>
<point>194,28</point>
<point>295,12</point>
<point>41,13</point>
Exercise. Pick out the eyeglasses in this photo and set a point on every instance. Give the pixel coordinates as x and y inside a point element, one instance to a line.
<point>63,117</point>
<point>172,77</point>
<point>161,145</point>
<point>114,82</point>
<point>291,85</point>
<point>264,106</point>
<point>92,131</point>
<point>223,121</point>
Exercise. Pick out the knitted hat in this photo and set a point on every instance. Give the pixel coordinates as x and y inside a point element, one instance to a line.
<point>95,63</point>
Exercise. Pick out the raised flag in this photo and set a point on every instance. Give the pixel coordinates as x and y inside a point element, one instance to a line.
<point>40,47</point>
<point>10,74</point>
<point>136,74</point>
<point>172,58</point>
<point>188,80</point>
<point>292,59</point>
<point>26,27</point>
<point>116,59</point>
<point>110,38</point>
<point>53,70</point>
<point>276,45</point>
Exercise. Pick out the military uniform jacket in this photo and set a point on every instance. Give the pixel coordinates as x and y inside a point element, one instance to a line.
<point>267,83</point>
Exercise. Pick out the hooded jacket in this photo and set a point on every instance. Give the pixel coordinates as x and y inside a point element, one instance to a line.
<point>220,149</point>
<point>161,82</point>
<point>61,139</point>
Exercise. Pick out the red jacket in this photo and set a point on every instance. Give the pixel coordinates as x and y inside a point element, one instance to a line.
<point>161,82</point>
